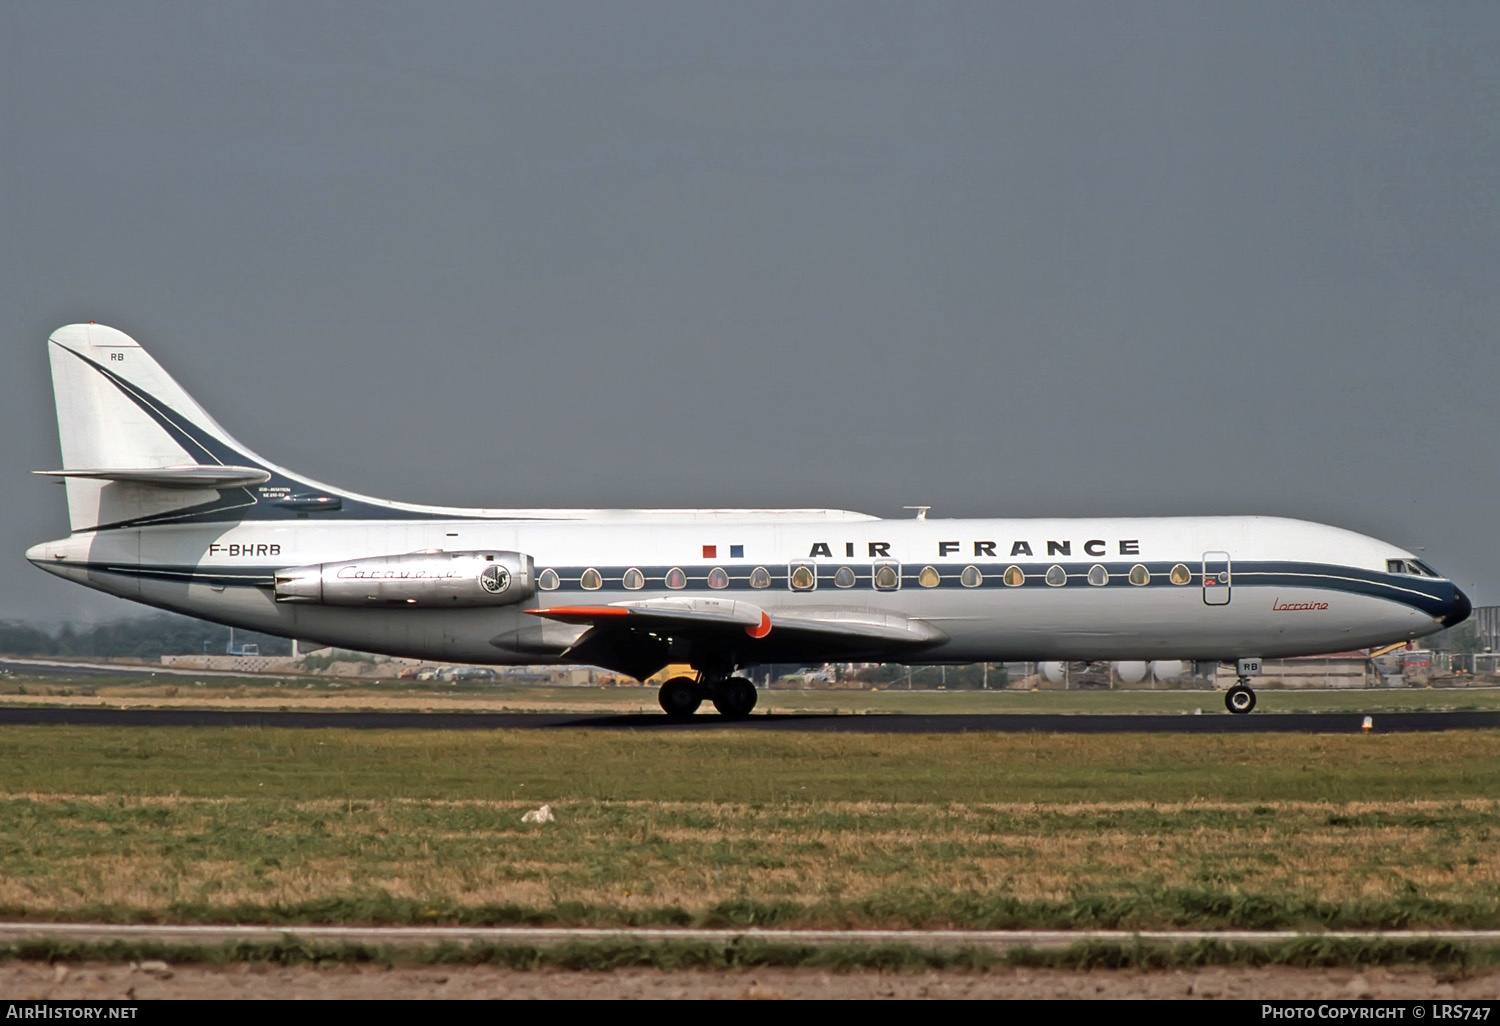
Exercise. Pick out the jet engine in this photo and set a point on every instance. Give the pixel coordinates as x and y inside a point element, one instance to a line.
<point>485,577</point>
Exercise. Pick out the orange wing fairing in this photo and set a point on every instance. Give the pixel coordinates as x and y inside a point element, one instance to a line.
<point>578,612</point>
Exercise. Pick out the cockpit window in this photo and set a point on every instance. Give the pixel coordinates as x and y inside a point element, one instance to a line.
<point>1409,566</point>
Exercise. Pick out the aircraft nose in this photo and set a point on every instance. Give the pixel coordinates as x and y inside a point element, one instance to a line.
<point>1458,610</point>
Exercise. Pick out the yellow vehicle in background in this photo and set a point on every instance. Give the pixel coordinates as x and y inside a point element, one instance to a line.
<point>668,672</point>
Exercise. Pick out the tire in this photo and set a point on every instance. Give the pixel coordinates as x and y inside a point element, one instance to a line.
<point>679,697</point>
<point>735,698</point>
<point>1239,700</point>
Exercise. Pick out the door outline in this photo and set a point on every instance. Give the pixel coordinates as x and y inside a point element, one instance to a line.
<point>1216,578</point>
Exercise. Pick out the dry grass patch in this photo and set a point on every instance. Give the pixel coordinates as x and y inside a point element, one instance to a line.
<point>150,856</point>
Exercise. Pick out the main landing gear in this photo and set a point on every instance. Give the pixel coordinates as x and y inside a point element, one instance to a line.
<point>733,697</point>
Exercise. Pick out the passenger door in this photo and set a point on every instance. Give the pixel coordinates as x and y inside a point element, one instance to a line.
<point>1216,578</point>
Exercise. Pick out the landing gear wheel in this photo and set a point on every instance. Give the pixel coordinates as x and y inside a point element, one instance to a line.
<point>734,698</point>
<point>679,697</point>
<point>1239,699</point>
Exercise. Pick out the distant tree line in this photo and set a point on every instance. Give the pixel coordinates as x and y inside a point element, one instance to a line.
<point>146,637</point>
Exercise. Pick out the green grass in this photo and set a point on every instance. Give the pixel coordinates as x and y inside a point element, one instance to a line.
<point>735,828</point>
<point>747,767</point>
<point>754,953</point>
<point>743,766</point>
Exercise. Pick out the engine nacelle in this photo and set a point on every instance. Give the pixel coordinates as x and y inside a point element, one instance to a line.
<point>485,577</point>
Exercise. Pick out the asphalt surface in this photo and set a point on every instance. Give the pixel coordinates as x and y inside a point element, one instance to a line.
<point>1011,723</point>
<point>14,932</point>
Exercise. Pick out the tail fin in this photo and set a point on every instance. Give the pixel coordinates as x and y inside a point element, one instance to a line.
<point>136,448</point>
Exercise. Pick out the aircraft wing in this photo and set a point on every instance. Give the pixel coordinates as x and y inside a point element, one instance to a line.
<point>669,615</point>
<point>687,616</point>
<point>872,624</point>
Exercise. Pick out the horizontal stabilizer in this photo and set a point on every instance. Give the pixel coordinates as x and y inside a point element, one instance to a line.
<point>189,476</point>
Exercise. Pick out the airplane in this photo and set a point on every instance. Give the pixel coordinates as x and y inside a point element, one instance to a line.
<point>166,508</point>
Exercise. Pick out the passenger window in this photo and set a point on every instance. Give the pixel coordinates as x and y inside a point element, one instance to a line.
<point>844,578</point>
<point>1181,574</point>
<point>760,577</point>
<point>1139,575</point>
<point>1014,577</point>
<point>929,577</point>
<point>971,577</point>
<point>803,578</point>
<point>548,580</point>
<point>591,581</point>
<point>676,579</point>
<point>634,580</point>
<point>717,578</point>
<point>1056,576</point>
<point>887,577</point>
<point>1098,576</point>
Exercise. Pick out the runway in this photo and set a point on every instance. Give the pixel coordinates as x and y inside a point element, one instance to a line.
<point>894,723</point>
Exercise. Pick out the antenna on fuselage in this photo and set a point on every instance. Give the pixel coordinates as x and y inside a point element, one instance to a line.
<point>921,511</point>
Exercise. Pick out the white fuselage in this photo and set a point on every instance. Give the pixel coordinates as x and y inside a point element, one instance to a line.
<point>1292,587</point>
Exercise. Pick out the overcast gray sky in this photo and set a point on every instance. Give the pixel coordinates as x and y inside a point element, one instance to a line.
<point>1006,259</point>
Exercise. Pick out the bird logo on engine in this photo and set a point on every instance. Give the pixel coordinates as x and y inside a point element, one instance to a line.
<point>494,579</point>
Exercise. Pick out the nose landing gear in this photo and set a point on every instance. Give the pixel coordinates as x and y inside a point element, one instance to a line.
<point>1239,699</point>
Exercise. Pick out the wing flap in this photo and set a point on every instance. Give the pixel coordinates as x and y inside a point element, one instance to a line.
<point>688,615</point>
<point>667,613</point>
<point>871,624</point>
